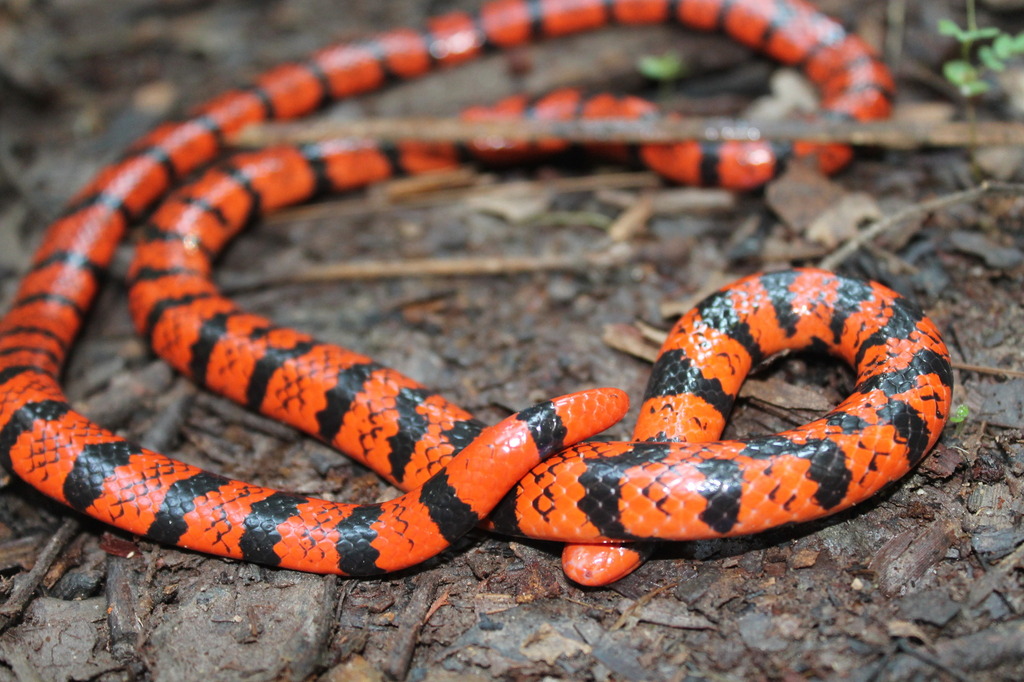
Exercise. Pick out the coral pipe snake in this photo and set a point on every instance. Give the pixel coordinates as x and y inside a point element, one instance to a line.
<point>668,483</point>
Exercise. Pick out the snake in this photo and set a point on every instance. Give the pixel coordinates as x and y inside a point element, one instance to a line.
<point>537,473</point>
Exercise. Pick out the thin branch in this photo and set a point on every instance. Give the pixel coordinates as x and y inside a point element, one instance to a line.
<point>437,267</point>
<point>982,369</point>
<point>24,590</point>
<point>878,227</point>
<point>892,134</point>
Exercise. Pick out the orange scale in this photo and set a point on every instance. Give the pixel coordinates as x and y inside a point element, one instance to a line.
<point>217,522</point>
<point>792,43</point>
<point>233,360</point>
<point>60,238</point>
<point>12,341</point>
<point>290,399</point>
<point>36,460</point>
<point>427,157</point>
<point>764,326</point>
<point>679,162</point>
<point>430,454</point>
<point>406,535</point>
<point>748,23</point>
<point>31,388</point>
<point>815,287</point>
<point>767,503</point>
<point>38,359</point>
<point>293,89</point>
<point>133,495</point>
<point>26,315</point>
<point>871,314</point>
<point>427,459</point>
<point>77,284</point>
<point>507,108</point>
<point>866,104</point>
<point>223,191</point>
<point>66,234</point>
<point>700,14</point>
<point>506,22</point>
<point>280,175</point>
<point>543,484</point>
<point>928,336</point>
<point>351,165</point>
<point>830,59</point>
<point>666,506</point>
<point>351,69</point>
<point>61,319</point>
<point>640,11</point>
<point>233,110</point>
<point>684,417</point>
<point>745,165</point>
<point>188,144</point>
<point>172,337</point>
<point>718,354</point>
<point>364,434</point>
<point>564,103</point>
<point>441,413</point>
<point>323,363</point>
<point>561,18</point>
<point>454,39</point>
<point>138,180</point>
<point>831,158</point>
<point>474,488</point>
<point>294,398</point>
<point>572,525</point>
<point>931,400</point>
<point>149,293</point>
<point>800,490</point>
<point>309,540</point>
<point>188,252</point>
<point>609,106</point>
<point>405,53</point>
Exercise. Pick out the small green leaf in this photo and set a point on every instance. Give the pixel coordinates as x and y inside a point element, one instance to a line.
<point>987,56</point>
<point>1018,43</point>
<point>1003,46</point>
<point>978,34</point>
<point>665,67</point>
<point>959,72</point>
<point>974,88</point>
<point>960,414</point>
<point>948,27</point>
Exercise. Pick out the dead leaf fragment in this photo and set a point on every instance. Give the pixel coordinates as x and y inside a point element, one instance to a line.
<point>775,391</point>
<point>977,244</point>
<point>840,221</point>
<point>804,558</point>
<point>547,644</point>
<point>801,194</point>
<point>906,629</point>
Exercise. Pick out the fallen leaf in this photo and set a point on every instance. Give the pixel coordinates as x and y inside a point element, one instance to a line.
<point>548,644</point>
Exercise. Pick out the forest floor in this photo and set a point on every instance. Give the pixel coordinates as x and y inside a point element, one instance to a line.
<point>925,581</point>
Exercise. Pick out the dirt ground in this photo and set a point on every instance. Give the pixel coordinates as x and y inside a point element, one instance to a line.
<point>925,581</point>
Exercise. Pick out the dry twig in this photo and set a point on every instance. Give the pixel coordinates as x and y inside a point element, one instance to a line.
<point>892,134</point>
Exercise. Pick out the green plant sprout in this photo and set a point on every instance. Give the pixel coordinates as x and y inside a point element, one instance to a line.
<point>664,68</point>
<point>967,75</point>
<point>960,414</point>
<point>982,51</point>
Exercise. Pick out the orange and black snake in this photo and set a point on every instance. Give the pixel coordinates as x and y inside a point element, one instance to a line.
<point>669,482</point>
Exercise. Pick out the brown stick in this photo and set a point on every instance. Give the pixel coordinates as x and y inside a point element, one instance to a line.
<point>440,267</point>
<point>24,590</point>
<point>890,134</point>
